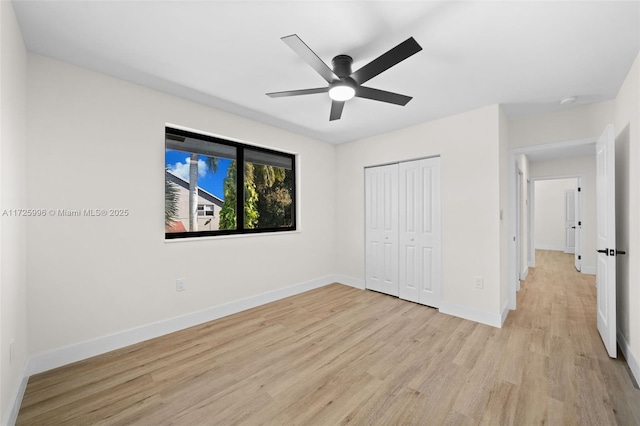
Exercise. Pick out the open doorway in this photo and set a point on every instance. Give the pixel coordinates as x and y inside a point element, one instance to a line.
<point>572,159</point>
<point>597,173</point>
<point>556,220</point>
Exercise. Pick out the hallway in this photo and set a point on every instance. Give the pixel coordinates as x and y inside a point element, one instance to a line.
<point>556,312</point>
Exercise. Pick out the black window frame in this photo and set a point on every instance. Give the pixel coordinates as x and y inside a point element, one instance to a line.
<point>240,148</point>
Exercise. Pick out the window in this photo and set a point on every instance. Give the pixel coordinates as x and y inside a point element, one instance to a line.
<point>205,210</point>
<point>202,181</point>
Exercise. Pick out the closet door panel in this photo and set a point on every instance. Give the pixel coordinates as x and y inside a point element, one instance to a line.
<point>410,275</point>
<point>430,233</point>
<point>381,234</point>
<point>427,269</point>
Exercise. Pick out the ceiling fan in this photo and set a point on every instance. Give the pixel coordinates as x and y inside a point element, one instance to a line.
<point>344,84</point>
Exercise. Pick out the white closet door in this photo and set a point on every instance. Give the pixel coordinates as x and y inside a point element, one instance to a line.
<point>410,213</point>
<point>420,271</point>
<point>381,204</point>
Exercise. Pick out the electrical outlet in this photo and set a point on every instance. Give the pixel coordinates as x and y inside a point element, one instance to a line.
<point>181,284</point>
<point>479,282</point>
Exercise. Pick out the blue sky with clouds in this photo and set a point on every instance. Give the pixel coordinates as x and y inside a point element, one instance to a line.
<point>178,163</point>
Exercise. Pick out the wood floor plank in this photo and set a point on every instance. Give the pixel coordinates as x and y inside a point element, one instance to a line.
<point>512,365</point>
<point>439,393</point>
<point>458,419</point>
<point>501,406</point>
<point>338,355</point>
<point>616,381</point>
<point>469,353</point>
<point>561,370</point>
<point>532,405</point>
<point>561,414</point>
<point>474,395</point>
<point>594,405</point>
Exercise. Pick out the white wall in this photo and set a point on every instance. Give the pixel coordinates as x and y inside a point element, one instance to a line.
<point>585,166</point>
<point>572,124</point>
<point>13,65</point>
<point>469,146</point>
<point>627,127</point>
<point>550,232</point>
<point>98,142</point>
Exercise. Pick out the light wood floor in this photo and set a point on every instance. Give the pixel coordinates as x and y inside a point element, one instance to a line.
<point>340,355</point>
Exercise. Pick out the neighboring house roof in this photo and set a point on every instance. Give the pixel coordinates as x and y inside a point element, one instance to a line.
<point>201,192</point>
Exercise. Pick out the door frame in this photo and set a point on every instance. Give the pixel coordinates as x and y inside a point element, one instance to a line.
<point>512,179</point>
<point>532,207</point>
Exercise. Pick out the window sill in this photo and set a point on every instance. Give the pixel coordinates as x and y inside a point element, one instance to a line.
<point>233,236</point>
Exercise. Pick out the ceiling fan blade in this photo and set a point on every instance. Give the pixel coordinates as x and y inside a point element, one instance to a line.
<point>336,110</point>
<point>382,95</point>
<point>298,92</point>
<point>309,56</point>
<point>387,60</point>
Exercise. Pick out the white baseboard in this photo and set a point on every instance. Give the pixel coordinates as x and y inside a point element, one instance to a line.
<point>505,312</point>
<point>633,363</point>
<point>549,247</point>
<point>350,281</point>
<point>524,273</point>
<point>449,308</point>
<point>473,314</point>
<point>589,270</point>
<point>569,250</point>
<point>12,416</point>
<point>63,356</point>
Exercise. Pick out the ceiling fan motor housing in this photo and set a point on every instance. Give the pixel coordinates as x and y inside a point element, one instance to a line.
<point>342,65</point>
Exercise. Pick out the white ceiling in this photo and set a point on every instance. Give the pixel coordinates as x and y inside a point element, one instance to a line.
<point>228,54</point>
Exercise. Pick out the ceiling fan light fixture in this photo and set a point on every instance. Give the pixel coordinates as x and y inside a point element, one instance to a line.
<point>342,92</point>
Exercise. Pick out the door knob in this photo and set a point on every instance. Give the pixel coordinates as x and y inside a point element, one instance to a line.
<point>573,227</point>
<point>611,252</point>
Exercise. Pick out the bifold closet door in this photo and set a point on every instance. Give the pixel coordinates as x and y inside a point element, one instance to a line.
<point>381,204</point>
<point>420,271</point>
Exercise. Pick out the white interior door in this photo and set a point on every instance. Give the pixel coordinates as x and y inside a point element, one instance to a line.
<point>420,271</point>
<point>578,233</point>
<point>518,227</point>
<point>606,239</point>
<point>381,219</point>
<point>570,220</point>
